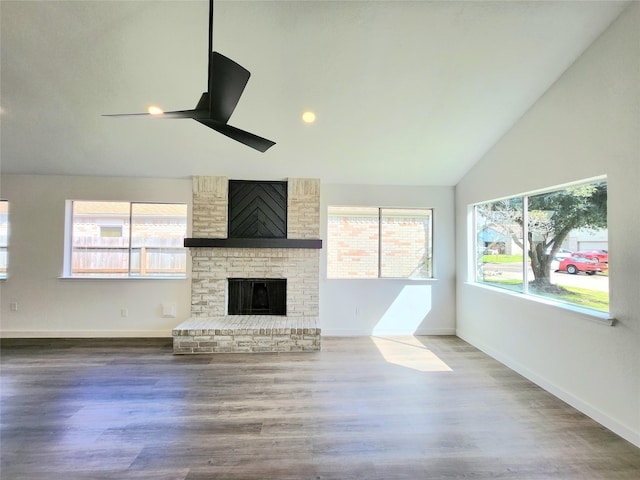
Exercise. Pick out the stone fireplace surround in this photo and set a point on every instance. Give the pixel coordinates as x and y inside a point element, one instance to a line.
<point>215,259</point>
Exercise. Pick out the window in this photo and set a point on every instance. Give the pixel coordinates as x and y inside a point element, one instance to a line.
<point>123,239</point>
<point>551,244</point>
<point>370,242</point>
<point>4,238</point>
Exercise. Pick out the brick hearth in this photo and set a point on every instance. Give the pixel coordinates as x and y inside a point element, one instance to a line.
<point>247,334</point>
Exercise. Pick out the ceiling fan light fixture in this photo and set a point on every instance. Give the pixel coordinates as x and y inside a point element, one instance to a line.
<point>155,110</point>
<point>308,117</point>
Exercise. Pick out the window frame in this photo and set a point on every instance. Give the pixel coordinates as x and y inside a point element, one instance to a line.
<point>380,243</point>
<point>67,268</point>
<point>4,245</point>
<point>524,293</point>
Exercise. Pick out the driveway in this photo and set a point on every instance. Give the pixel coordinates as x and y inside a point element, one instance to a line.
<point>597,282</point>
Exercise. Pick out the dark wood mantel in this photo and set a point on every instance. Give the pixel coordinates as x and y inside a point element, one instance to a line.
<point>252,243</point>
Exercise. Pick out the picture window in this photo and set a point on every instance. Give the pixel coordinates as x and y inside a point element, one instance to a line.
<point>371,242</point>
<point>552,244</point>
<point>125,239</point>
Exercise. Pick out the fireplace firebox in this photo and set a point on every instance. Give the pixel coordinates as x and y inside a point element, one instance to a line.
<point>257,296</point>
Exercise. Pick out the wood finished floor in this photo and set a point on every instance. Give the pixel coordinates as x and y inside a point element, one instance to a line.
<point>362,408</point>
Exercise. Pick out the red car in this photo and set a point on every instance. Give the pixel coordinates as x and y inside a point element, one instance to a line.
<point>601,256</point>
<point>575,265</point>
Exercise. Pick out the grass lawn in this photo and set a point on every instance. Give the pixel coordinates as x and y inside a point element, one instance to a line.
<point>502,259</point>
<point>585,298</point>
<point>582,297</point>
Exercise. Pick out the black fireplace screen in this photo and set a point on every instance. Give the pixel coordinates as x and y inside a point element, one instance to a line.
<point>257,296</point>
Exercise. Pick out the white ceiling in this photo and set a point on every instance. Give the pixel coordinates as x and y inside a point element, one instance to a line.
<point>407,93</point>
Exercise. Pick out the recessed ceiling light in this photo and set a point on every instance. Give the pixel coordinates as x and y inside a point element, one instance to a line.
<point>154,110</point>
<point>308,117</point>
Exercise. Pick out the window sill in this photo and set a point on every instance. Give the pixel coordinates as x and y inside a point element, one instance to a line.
<point>122,278</point>
<point>393,279</point>
<point>602,318</point>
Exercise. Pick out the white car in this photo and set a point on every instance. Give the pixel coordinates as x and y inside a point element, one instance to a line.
<point>555,263</point>
<point>561,253</point>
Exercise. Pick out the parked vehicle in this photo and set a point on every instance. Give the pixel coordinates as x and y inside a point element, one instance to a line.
<point>601,255</point>
<point>561,253</point>
<point>575,265</point>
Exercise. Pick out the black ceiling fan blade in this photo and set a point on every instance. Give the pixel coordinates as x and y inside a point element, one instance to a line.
<point>226,84</point>
<point>254,141</point>
<point>174,114</point>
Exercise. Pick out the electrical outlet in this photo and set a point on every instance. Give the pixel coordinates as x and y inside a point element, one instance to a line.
<point>169,310</point>
<point>124,312</point>
<point>13,306</point>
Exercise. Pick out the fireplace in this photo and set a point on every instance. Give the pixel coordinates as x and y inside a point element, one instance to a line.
<point>257,296</point>
<point>217,257</point>
<point>253,288</point>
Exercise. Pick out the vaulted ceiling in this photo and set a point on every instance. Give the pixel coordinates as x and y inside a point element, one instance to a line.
<point>407,93</point>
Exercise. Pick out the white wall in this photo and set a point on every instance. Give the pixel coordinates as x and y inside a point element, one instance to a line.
<point>52,307</point>
<point>377,306</point>
<point>587,124</point>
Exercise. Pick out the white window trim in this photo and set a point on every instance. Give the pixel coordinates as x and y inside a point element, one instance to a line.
<point>5,276</point>
<point>602,318</point>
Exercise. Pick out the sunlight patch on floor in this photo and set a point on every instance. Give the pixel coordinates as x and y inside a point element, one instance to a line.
<point>409,352</point>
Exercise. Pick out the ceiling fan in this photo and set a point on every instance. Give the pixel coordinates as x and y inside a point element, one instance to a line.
<point>226,82</point>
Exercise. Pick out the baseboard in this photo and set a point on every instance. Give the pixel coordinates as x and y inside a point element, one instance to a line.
<point>85,333</point>
<point>579,404</point>
<point>331,332</point>
<point>339,332</point>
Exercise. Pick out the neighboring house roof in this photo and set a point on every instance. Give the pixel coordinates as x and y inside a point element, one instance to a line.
<point>490,235</point>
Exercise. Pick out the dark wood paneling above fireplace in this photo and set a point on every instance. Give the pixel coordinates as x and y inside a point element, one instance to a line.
<point>257,209</point>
